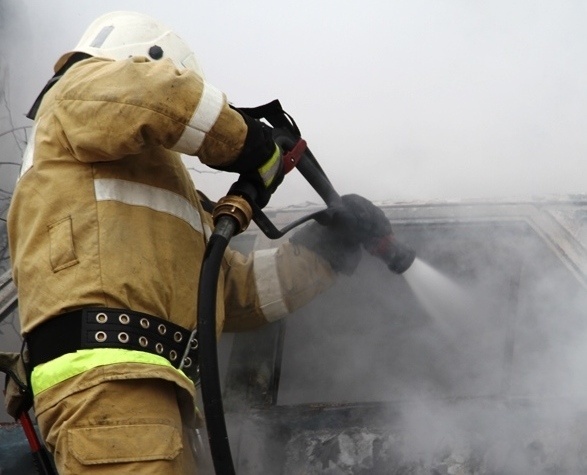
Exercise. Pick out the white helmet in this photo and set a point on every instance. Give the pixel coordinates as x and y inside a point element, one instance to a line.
<point>120,35</point>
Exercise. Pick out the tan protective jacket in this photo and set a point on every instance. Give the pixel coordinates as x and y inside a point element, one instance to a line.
<point>106,214</point>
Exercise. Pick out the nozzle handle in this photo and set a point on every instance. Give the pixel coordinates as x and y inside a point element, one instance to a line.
<point>308,166</point>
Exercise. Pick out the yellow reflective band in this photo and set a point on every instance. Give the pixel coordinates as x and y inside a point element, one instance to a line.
<point>58,370</point>
<point>269,169</point>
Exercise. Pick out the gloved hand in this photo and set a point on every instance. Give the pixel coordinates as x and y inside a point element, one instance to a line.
<point>267,177</point>
<point>260,161</point>
<point>362,219</point>
<point>339,241</point>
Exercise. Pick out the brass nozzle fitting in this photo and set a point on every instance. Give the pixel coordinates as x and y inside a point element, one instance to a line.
<point>235,206</point>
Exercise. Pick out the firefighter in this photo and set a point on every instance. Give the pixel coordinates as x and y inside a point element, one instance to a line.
<point>107,233</point>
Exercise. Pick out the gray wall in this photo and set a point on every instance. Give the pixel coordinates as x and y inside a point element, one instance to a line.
<point>14,127</point>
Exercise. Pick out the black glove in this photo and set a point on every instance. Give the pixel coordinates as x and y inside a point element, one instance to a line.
<point>267,177</point>
<point>339,240</point>
<point>260,162</point>
<point>362,219</point>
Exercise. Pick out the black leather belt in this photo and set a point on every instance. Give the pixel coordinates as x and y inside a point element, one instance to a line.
<point>98,327</point>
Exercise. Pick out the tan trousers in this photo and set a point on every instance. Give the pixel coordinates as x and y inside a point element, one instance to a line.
<point>119,427</point>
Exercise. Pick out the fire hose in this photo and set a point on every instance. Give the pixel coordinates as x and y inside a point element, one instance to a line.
<point>232,215</point>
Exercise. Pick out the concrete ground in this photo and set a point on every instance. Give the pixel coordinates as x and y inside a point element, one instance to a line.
<point>15,454</point>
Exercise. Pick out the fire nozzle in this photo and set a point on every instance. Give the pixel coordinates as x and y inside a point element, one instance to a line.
<point>397,256</point>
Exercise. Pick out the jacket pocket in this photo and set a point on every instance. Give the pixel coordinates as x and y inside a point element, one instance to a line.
<point>62,252</point>
<point>124,443</point>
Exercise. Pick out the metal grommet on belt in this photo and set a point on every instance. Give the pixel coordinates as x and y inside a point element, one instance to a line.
<point>187,362</point>
<point>123,337</point>
<point>102,327</point>
<point>100,336</point>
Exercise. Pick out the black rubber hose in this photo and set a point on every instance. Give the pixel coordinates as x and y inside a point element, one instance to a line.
<point>209,373</point>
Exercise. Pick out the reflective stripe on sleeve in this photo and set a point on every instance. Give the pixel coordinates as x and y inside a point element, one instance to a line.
<point>29,151</point>
<point>268,286</point>
<point>66,366</point>
<point>158,199</point>
<point>269,170</point>
<point>204,118</point>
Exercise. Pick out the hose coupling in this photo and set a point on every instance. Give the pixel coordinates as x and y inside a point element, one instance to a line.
<point>235,206</point>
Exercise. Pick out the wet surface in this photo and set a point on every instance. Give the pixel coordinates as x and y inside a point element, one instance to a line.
<point>15,455</point>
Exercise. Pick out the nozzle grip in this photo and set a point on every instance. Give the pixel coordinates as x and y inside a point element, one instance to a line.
<point>307,165</point>
<point>315,176</point>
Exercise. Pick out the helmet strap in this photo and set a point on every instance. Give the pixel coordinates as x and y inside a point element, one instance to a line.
<point>76,57</point>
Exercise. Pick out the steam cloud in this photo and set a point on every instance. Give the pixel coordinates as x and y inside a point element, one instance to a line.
<point>496,387</point>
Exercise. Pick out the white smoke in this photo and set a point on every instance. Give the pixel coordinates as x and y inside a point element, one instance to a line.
<point>497,386</point>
